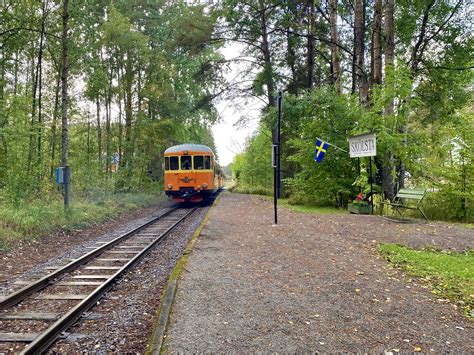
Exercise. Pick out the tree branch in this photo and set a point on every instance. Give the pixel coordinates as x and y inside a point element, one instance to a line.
<point>415,56</point>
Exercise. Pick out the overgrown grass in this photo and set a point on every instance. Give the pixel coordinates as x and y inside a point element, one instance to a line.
<point>451,274</point>
<point>251,190</point>
<point>34,219</point>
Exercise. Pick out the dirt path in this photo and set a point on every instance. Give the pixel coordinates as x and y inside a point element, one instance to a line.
<point>312,283</point>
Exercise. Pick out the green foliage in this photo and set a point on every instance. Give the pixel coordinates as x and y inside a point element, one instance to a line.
<point>319,114</point>
<point>452,274</point>
<point>421,109</point>
<point>149,79</point>
<point>252,170</point>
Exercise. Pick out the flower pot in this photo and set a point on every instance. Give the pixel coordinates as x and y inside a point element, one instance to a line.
<point>359,208</point>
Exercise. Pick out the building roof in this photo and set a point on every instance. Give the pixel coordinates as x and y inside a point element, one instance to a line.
<point>196,148</point>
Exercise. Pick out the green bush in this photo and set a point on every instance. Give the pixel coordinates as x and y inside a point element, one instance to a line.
<point>446,205</point>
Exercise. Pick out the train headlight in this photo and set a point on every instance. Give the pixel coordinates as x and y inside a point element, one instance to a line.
<point>204,186</point>
<point>170,186</point>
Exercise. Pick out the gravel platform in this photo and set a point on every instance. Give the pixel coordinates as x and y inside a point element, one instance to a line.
<point>312,283</point>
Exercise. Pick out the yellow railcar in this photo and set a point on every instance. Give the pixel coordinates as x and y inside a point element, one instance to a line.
<point>191,172</point>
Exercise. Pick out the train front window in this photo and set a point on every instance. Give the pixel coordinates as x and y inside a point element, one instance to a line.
<point>173,164</point>
<point>167,163</point>
<point>186,162</point>
<point>207,162</point>
<point>198,162</point>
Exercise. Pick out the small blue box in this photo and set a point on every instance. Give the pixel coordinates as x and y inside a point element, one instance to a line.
<point>60,175</point>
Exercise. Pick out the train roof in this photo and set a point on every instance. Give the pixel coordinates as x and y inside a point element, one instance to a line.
<point>195,148</point>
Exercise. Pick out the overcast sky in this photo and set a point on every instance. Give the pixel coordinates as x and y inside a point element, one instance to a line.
<point>229,137</point>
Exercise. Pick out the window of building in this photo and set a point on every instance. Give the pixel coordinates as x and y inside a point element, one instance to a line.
<point>186,162</point>
<point>174,165</point>
<point>198,162</point>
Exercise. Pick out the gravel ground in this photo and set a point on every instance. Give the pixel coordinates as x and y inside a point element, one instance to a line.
<point>312,283</point>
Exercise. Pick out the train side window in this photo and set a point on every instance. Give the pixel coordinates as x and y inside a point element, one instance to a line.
<point>174,165</point>
<point>167,163</point>
<point>198,162</point>
<point>186,162</point>
<point>207,162</point>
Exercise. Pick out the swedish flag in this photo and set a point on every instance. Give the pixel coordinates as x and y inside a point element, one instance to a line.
<point>320,150</point>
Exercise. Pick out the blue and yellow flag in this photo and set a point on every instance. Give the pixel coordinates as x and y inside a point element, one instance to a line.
<point>320,150</point>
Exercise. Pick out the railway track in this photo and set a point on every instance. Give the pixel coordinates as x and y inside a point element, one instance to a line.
<point>41,311</point>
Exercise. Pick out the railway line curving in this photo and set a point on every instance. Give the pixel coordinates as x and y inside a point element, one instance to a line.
<point>78,286</point>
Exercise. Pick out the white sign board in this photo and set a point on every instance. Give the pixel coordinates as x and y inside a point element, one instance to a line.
<point>363,145</point>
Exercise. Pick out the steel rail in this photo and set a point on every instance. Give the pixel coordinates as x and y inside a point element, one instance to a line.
<point>49,336</point>
<point>45,281</point>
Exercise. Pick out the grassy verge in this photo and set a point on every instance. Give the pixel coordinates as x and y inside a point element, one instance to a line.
<point>310,209</point>
<point>451,274</point>
<point>307,209</point>
<point>36,218</point>
<point>251,190</point>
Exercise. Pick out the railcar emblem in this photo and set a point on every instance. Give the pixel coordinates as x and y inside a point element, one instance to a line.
<point>186,180</point>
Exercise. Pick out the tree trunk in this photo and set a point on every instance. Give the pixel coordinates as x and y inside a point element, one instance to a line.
<point>120,126</point>
<point>99,133</point>
<point>388,183</point>
<point>34,90</point>
<point>88,143</point>
<point>354,60</point>
<point>64,99</point>
<point>360,50</point>
<point>310,44</point>
<point>40,94</point>
<point>3,120</point>
<point>108,131</point>
<point>266,54</point>
<point>15,75</point>
<point>290,57</point>
<point>127,154</point>
<point>377,44</point>
<point>336,64</point>
<point>139,89</point>
<point>389,44</point>
<point>54,124</point>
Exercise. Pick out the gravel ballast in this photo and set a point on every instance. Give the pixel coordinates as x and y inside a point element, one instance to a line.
<point>312,283</point>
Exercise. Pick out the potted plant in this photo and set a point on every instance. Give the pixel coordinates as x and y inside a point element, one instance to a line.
<point>359,206</point>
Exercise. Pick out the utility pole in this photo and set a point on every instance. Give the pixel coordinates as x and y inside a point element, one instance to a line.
<point>276,160</point>
<point>64,98</point>
<point>279,144</point>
